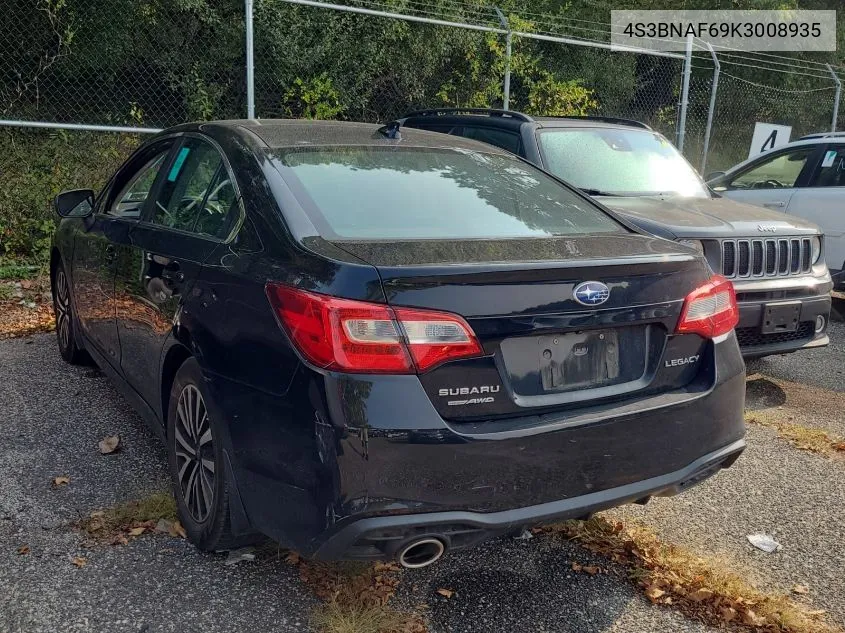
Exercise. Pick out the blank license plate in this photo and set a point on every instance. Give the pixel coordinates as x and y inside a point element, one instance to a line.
<point>781,317</point>
<point>581,359</point>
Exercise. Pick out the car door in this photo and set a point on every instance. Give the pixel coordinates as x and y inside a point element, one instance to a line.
<point>118,209</point>
<point>823,201</point>
<point>772,180</point>
<point>193,209</point>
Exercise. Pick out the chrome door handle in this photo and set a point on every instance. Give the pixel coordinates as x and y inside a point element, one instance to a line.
<point>774,205</point>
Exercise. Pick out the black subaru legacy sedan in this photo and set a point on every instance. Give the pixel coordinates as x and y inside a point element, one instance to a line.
<point>371,344</point>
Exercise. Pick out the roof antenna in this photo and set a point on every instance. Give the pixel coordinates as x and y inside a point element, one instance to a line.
<point>391,130</point>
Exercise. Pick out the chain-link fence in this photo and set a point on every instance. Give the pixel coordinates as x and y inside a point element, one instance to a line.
<point>741,102</point>
<point>120,63</point>
<point>153,64</point>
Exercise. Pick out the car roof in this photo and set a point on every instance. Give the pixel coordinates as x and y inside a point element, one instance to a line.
<point>286,133</point>
<point>822,135</point>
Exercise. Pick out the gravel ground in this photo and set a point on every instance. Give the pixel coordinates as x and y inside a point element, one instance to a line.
<point>51,418</point>
<point>774,488</point>
<point>515,586</point>
<point>52,415</point>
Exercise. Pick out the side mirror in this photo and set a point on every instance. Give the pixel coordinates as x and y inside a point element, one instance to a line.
<point>713,175</point>
<point>77,203</point>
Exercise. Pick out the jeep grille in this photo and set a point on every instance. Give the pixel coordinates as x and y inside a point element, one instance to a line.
<point>775,257</point>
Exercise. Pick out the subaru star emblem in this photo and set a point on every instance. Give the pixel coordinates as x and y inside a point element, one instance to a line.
<point>591,293</point>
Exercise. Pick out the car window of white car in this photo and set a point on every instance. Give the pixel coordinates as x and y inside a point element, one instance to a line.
<point>831,171</point>
<point>778,172</point>
<point>771,181</point>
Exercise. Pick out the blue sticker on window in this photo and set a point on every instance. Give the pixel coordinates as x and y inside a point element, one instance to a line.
<point>177,164</point>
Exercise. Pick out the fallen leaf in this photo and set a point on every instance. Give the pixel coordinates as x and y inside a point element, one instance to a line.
<point>654,593</point>
<point>293,558</point>
<point>752,619</point>
<point>592,569</point>
<point>176,529</point>
<point>446,593</point>
<point>163,526</point>
<point>137,531</point>
<point>700,595</point>
<point>800,589</point>
<point>61,481</point>
<point>576,567</point>
<point>23,550</point>
<point>79,561</point>
<point>26,284</point>
<point>97,513</point>
<point>728,613</point>
<point>109,444</point>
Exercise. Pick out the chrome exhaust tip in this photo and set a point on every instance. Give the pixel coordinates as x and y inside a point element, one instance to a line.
<point>421,553</point>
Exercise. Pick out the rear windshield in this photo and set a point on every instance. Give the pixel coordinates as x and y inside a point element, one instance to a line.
<point>373,193</point>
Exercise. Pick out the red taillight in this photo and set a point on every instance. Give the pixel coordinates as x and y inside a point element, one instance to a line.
<point>361,337</point>
<point>710,310</point>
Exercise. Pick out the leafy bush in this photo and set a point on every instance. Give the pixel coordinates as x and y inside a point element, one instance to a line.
<point>34,167</point>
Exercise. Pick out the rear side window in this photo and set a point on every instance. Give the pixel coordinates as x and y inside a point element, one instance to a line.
<point>197,194</point>
<point>832,169</point>
<point>422,193</point>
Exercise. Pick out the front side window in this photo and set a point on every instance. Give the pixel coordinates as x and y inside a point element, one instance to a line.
<point>832,169</point>
<point>137,186</point>
<point>196,194</point>
<point>619,162</point>
<point>422,193</point>
<point>777,172</point>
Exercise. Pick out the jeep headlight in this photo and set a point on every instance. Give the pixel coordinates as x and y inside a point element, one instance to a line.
<point>815,249</point>
<point>696,244</point>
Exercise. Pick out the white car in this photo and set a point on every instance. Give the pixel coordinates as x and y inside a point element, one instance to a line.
<point>805,178</point>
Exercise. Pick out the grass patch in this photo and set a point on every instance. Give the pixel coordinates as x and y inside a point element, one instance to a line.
<point>803,437</point>
<point>333,617</point>
<point>355,597</point>
<point>705,589</point>
<point>16,272</point>
<point>131,519</point>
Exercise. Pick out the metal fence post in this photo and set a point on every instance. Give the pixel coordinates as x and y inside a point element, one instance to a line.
<point>250,68</point>
<point>835,98</point>
<point>682,116</point>
<point>717,68</point>
<point>506,99</point>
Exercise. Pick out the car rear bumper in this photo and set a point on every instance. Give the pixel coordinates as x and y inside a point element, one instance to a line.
<point>372,464</point>
<point>375,537</point>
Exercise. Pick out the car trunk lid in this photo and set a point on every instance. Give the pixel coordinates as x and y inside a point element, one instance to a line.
<point>543,347</point>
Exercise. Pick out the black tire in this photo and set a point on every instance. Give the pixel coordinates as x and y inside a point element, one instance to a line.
<point>200,484</point>
<point>65,319</point>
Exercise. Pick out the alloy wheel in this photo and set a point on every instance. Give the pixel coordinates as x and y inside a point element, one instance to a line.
<point>194,448</point>
<point>63,310</point>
